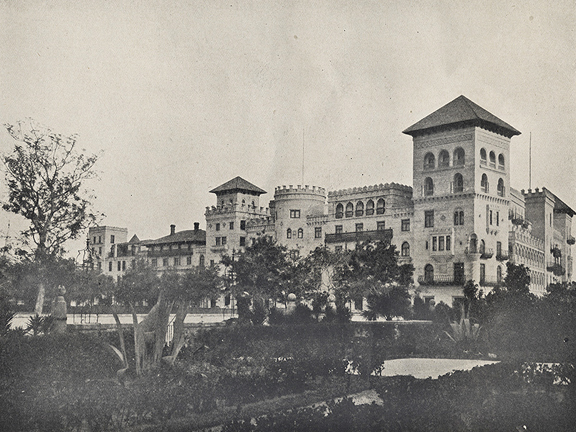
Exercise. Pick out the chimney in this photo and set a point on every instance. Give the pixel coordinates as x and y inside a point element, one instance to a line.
<point>196,226</point>
<point>172,229</point>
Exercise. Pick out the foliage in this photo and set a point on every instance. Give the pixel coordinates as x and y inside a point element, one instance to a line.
<point>517,278</point>
<point>388,301</point>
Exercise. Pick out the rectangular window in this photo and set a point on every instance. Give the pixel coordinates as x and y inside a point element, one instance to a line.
<point>498,249</point>
<point>448,242</point>
<point>405,225</point>
<point>490,217</point>
<point>94,240</point>
<point>211,263</point>
<point>441,243</point>
<point>119,266</point>
<point>99,265</point>
<point>123,265</point>
<point>217,227</point>
<point>380,226</point>
<point>294,214</point>
<point>318,232</point>
<point>359,227</point>
<point>231,225</point>
<point>112,238</point>
<point>188,260</point>
<point>99,239</point>
<point>434,242</point>
<point>100,251</point>
<point>338,229</point>
<point>242,241</point>
<point>110,266</point>
<point>429,219</point>
<point>176,261</point>
<point>482,274</point>
<point>242,224</point>
<point>217,241</point>
<point>223,241</point>
<point>497,218</point>
<point>154,262</point>
<point>165,262</point>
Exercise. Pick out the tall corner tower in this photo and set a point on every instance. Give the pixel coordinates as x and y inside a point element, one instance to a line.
<point>461,183</point>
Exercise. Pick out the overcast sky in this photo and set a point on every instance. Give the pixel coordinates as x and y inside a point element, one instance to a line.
<point>184,95</point>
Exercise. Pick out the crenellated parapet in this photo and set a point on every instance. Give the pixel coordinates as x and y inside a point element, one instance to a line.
<point>282,191</point>
<point>387,188</point>
<point>235,208</point>
<point>260,222</point>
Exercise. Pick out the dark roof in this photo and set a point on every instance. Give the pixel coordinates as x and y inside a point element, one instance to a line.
<point>238,184</point>
<point>461,112</point>
<point>194,236</point>
<point>560,206</point>
<point>134,239</point>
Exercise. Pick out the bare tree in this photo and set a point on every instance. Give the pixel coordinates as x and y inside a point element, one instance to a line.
<point>45,175</point>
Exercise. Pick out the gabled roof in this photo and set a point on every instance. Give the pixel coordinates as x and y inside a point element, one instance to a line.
<point>190,236</point>
<point>134,239</point>
<point>461,112</point>
<point>238,184</point>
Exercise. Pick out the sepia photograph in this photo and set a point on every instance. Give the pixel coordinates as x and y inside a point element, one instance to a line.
<point>286,215</point>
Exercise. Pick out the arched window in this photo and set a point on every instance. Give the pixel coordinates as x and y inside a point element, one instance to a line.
<point>300,233</point>
<point>359,208</point>
<point>444,159</point>
<point>429,161</point>
<point>484,183</point>
<point>501,161</point>
<point>429,273</point>
<point>349,209</point>
<point>458,156</point>
<point>499,274</point>
<point>458,183</point>
<point>428,187</point>
<point>289,233</point>
<point>473,243</point>
<point>369,208</point>
<point>483,158</point>
<point>380,206</point>
<point>501,187</point>
<point>339,211</point>
<point>459,217</point>
<point>492,159</point>
<point>405,249</point>
<point>482,247</point>
<point>201,261</point>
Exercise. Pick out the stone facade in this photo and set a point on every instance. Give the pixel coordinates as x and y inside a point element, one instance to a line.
<point>459,221</point>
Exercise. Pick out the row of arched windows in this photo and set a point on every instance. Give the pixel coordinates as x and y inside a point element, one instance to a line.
<point>429,274</point>
<point>360,209</point>
<point>485,186</point>
<point>458,185</point>
<point>299,233</point>
<point>458,158</point>
<point>484,159</point>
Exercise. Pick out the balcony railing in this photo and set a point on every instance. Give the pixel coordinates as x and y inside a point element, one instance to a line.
<point>436,280</point>
<point>487,253</point>
<point>556,252</point>
<point>359,236</point>
<point>488,282</point>
<point>570,240</point>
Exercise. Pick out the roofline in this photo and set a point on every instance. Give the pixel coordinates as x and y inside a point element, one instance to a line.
<point>508,133</point>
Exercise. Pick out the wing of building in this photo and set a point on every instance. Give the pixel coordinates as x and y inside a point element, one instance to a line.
<point>459,221</point>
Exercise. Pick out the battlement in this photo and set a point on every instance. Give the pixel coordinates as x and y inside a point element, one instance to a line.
<point>233,208</point>
<point>259,222</point>
<point>306,189</point>
<point>388,187</point>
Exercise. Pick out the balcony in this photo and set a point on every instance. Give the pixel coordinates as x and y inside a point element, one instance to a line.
<point>570,240</point>
<point>487,282</point>
<point>502,256</point>
<point>168,253</point>
<point>556,252</point>
<point>436,280</point>
<point>487,253</point>
<point>360,236</point>
<point>557,269</point>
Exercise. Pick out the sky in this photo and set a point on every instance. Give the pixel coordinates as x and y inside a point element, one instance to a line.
<point>182,96</point>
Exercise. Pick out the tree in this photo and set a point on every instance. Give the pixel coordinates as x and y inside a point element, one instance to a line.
<point>373,272</point>
<point>46,175</point>
<point>262,271</point>
<point>517,278</point>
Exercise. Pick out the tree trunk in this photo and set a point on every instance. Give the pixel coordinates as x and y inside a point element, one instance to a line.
<point>40,299</point>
